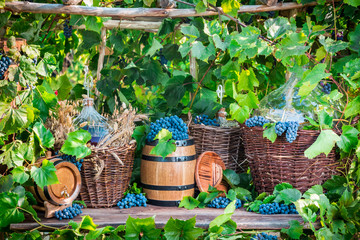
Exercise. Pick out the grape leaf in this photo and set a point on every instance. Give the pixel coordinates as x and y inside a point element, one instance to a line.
<point>190,31</point>
<point>45,175</point>
<point>325,120</point>
<point>354,3</point>
<point>288,196</point>
<point>247,80</point>
<point>238,113</point>
<point>349,138</point>
<point>354,37</point>
<point>93,23</point>
<point>230,7</point>
<point>269,132</point>
<point>20,175</point>
<point>155,46</point>
<point>15,119</point>
<point>87,224</point>
<point>331,45</point>
<point>175,90</point>
<point>292,45</point>
<point>189,202</point>
<point>281,186</point>
<point>9,209</point>
<point>136,227</point>
<point>166,145</point>
<point>243,194</point>
<point>295,230</point>
<point>277,27</point>
<point>44,135</point>
<point>323,144</point>
<point>231,177</point>
<point>148,2</point>
<point>178,229</point>
<point>353,107</point>
<point>75,144</point>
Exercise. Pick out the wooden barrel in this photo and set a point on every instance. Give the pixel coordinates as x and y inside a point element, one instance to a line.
<point>167,180</point>
<point>68,188</point>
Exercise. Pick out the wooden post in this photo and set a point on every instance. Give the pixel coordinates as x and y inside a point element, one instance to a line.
<point>101,56</point>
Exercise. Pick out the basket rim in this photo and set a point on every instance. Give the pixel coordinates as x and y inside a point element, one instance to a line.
<point>194,125</point>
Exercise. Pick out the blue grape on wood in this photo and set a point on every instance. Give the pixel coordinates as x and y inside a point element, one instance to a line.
<point>132,200</point>
<point>256,121</point>
<point>70,212</point>
<point>205,120</point>
<point>222,202</point>
<point>174,124</point>
<point>276,208</point>
<point>264,236</point>
<point>4,65</point>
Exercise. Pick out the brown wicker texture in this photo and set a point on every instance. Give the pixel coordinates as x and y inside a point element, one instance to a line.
<point>227,142</point>
<point>108,188</point>
<point>274,163</point>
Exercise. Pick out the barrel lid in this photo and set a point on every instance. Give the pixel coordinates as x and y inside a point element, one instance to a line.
<point>69,184</point>
<point>178,143</point>
<point>209,171</point>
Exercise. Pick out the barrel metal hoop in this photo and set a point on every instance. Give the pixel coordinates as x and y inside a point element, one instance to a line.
<point>169,188</point>
<point>178,143</point>
<point>163,203</point>
<point>168,159</point>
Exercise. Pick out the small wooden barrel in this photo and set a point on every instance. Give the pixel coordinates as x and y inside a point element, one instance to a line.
<point>68,188</point>
<point>167,181</point>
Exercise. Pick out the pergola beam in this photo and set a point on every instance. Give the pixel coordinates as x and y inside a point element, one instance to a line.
<point>30,7</point>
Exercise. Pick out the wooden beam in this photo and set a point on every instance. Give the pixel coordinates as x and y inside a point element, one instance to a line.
<point>18,7</point>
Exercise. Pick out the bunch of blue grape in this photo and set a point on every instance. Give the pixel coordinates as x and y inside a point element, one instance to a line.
<point>326,87</point>
<point>256,121</point>
<point>73,160</point>
<point>276,208</point>
<point>222,202</point>
<point>70,212</point>
<point>163,60</point>
<point>204,119</point>
<point>4,65</point>
<point>174,124</point>
<point>290,128</point>
<point>67,29</point>
<point>264,236</point>
<point>132,200</point>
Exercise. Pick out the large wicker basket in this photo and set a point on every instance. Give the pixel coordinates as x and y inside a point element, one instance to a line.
<point>226,142</point>
<point>274,163</point>
<point>104,177</point>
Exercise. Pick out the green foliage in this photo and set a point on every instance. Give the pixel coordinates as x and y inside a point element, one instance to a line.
<point>45,175</point>
<point>145,227</point>
<point>166,145</point>
<point>323,144</point>
<point>179,229</point>
<point>75,144</point>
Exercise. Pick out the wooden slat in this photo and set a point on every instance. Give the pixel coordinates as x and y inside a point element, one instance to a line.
<point>115,217</point>
<point>137,12</point>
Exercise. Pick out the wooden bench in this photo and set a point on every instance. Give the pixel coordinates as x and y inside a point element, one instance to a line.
<point>115,217</point>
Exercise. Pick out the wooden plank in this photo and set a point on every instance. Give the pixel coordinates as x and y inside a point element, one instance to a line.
<point>137,12</point>
<point>115,217</point>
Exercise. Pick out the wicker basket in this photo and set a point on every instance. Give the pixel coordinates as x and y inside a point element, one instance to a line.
<point>274,163</point>
<point>106,187</point>
<point>227,142</point>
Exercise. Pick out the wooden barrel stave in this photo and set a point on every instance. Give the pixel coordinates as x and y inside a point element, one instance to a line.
<point>167,181</point>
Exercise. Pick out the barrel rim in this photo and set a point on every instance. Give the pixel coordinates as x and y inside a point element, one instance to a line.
<point>168,159</point>
<point>179,143</point>
<point>169,188</point>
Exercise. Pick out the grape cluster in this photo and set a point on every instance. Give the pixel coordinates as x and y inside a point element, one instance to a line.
<point>67,29</point>
<point>4,65</point>
<point>73,160</point>
<point>163,60</point>
<point>326,87</point>
<point>70,212</point>
<point>276,208</point>
<point>290,128</point>
<point>256,121</point>
<point>174,124</point>
<point>132,200</point>
<point>264,236</point>
<point>222,202</point>
<point>204,119</point>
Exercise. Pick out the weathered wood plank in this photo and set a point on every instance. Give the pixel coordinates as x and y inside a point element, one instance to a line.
<point>137,12</point>
<point>115,217</point>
